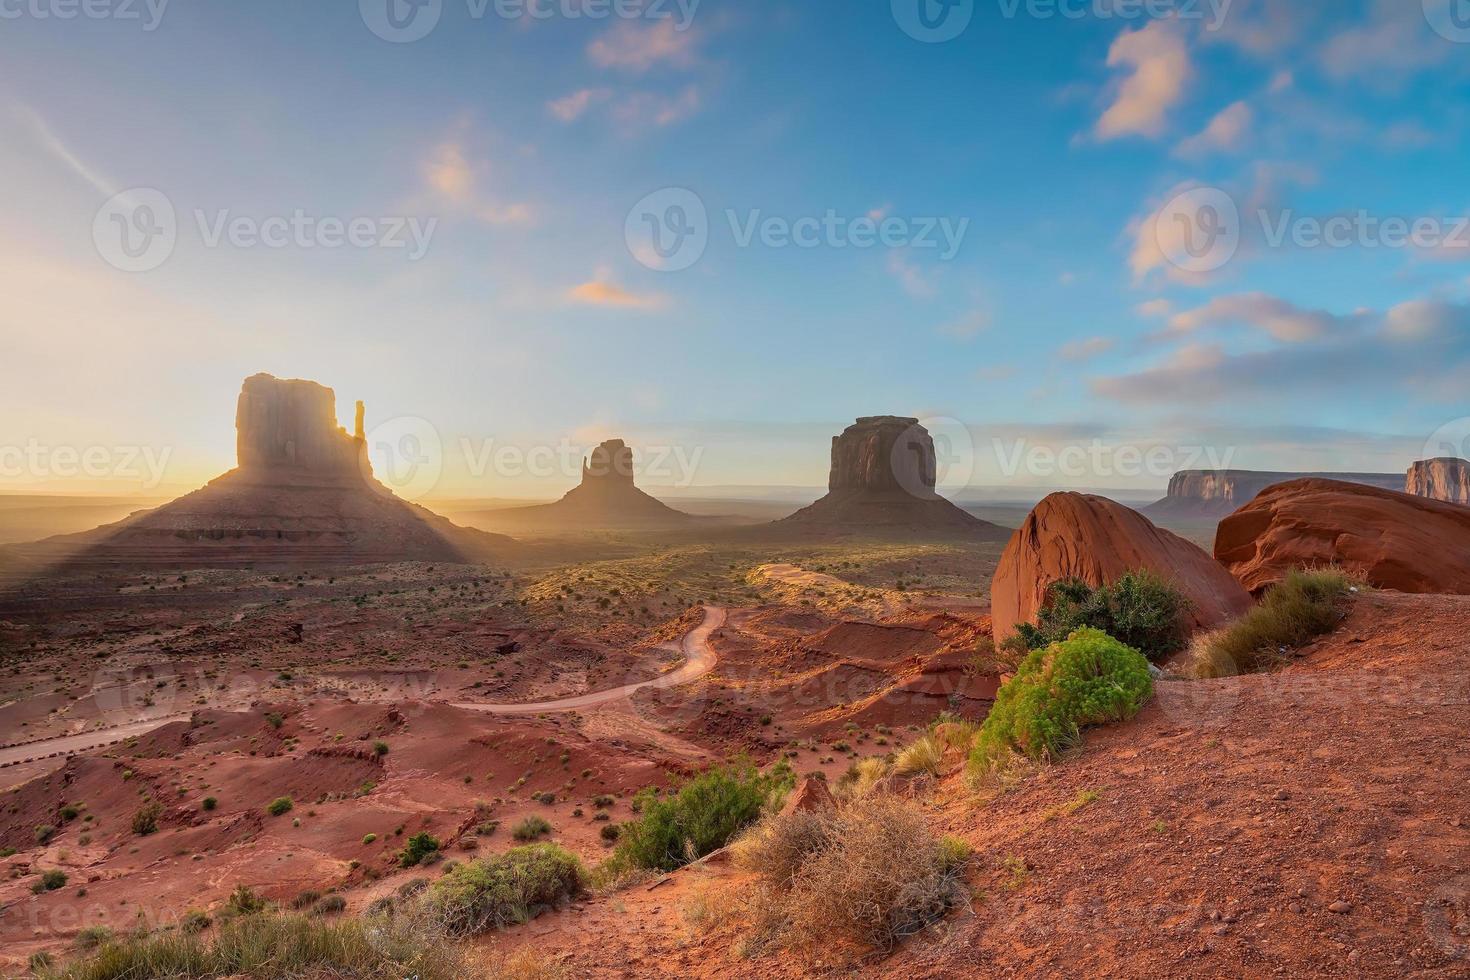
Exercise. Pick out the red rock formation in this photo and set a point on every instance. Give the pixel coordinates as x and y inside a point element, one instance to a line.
<point>1208,495</point>
<point>883,475</point>
<point>1444,478</point>
<point>303,492</point>
<point>1391,540</point>
<point>606,497</point>
<point>1074,535</point>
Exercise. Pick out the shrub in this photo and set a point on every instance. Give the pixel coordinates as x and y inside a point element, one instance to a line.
<point>44,833</point>
<point>610,832</point>
<point>305,899</point>
<point>53,879</point>
<point>329,905</point>
<point>194,920</point>
<point>531,828</point>
<point>1301,607</point>
<point>419,847</point>
<point>1140,609</point>
<point>244,901</point>
<point>280,805</point>
<point>145,820</point>
<point>380,749</point>
<point>1088,679</point>
<point>703,816</point>
<point>369,838</point>
<point>869,872</point>
<point>278,946</point>
<point>209,803</point>
<point>504,890</point>
<point>924,755</point>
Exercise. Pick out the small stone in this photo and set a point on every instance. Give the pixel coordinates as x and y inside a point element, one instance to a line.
<point>1282,794</point>
<point>1354,956</point>
<point>1340,907</point>
<point>1301,893</point>
<point>1296,907</point>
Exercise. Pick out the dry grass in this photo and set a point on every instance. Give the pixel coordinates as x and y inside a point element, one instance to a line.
<point>1302,607</point>
<point>521,964</point>
<point>868,874</point>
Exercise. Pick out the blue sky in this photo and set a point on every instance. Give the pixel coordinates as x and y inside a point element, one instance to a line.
<point>530,320</point>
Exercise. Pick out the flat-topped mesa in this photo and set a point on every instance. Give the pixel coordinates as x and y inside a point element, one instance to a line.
<point>884,453</point>
<point>1213,494</point>
<point>609,465</point>
<point>1444,478</point>
<point>288,428</point>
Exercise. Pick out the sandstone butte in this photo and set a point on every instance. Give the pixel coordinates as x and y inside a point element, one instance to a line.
<point>1075,535</point>
<point>1444,478</point>
<point>1390,540</point>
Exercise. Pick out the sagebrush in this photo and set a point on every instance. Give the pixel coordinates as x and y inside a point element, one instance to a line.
<point>1140,609</point>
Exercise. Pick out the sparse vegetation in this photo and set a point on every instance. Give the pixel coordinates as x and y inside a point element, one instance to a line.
<point>704,815</point>
<point>280,805</point>
<point>419,847</point>
<point>1088,679</point>
<point>1302,607</point>
<point>531,828</point>
<point>869,873</point>
<point>504,890</point>
<point>1140,610</point>
<point>145,819</point>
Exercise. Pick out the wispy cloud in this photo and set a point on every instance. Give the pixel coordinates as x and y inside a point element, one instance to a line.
<point>914,280</point>
<point>569,108</point>
<point>600,292</point>
<point>637,47</point>
<point>455,179</point>
<point>48,140</point>
<point>1226,133</point>
<point>1086,350</point>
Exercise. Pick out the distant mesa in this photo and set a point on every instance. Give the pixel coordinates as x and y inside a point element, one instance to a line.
<point>883,476</point>
<point>1209,495</point>
<point>303,491</point>
<point>1389,539</point>
<point>606,498</point>
<point>1445,478</point>
<point>1075,535</point>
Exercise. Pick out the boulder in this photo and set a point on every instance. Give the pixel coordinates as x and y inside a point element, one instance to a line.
<point>810,795</point>
<point>1389,539</point>
<point>1446,478</point>
<point>1075,535</point>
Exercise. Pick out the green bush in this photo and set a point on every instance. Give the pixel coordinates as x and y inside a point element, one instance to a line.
<point>1088,679</point>
<point>419,847</point>
<point>703,816</point>
<point>1301,607</point>
<point>531,828</point>
<point>504,890</point>
<point>43,834</point>
<point>53,879</point>
<point>209,803</point>
<point>280,805</point>
<point>1140,609</point>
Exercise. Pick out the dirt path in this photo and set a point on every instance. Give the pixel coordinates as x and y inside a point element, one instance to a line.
<point>699,660</point>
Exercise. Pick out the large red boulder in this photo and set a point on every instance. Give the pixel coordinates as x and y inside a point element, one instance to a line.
<point>1076,535</point>
<point>1390,540</point>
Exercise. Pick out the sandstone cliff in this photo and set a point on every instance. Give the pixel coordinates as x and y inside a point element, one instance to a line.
<point>1446,478</point>
<point>1208,495</point>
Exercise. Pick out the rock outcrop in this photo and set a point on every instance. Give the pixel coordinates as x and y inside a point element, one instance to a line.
<point>883,476</point>
<point>1444,478</point>
<point>1074,535</point>
<point>303,492</point>
<point>1208,495</point>
<point>287,431</point>
<point>606,498</point>
<point>1391,540</point>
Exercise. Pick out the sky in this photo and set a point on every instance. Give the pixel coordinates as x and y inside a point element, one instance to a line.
<point>1088,242</point>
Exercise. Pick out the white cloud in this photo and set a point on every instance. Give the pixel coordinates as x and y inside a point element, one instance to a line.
<point>1226,133</point>
<point>1272,315</point>
<point>600,292</point>
<point>1157,57</point>
<point>1086,350</point>
<point>568,108</point>
<point>457,180</point>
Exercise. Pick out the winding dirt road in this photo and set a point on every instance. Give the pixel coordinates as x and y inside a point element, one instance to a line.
<point>699,660</point>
